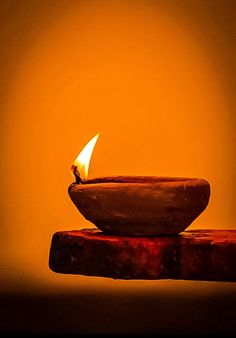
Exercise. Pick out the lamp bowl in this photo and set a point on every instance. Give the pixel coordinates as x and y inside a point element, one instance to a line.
<point>141,205</point>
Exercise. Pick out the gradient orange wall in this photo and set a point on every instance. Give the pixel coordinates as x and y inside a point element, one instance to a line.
<point>155,78</point>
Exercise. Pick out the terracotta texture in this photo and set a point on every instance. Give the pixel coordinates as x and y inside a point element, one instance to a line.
<point>193,255</point>
<point>141,205</point>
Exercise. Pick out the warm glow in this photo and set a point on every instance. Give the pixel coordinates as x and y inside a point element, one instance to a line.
<point>83,159</point>
<point>156,77</point>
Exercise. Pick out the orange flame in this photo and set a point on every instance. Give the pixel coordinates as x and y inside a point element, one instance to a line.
<point>82,161</point>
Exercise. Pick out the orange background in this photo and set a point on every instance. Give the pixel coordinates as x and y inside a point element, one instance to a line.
<point>156,79</point>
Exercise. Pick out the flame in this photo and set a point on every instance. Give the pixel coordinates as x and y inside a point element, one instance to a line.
<point>83,159</point>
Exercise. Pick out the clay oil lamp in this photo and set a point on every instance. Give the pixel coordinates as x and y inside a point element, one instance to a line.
<point>136,205</point>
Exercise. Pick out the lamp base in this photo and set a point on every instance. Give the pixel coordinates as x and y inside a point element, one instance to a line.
<point>208,255</point>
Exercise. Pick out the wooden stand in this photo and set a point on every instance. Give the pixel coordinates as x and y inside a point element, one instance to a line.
<point>208,255</point>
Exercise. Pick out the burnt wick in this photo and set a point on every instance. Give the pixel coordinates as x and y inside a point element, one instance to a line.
<point>76,172</point>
